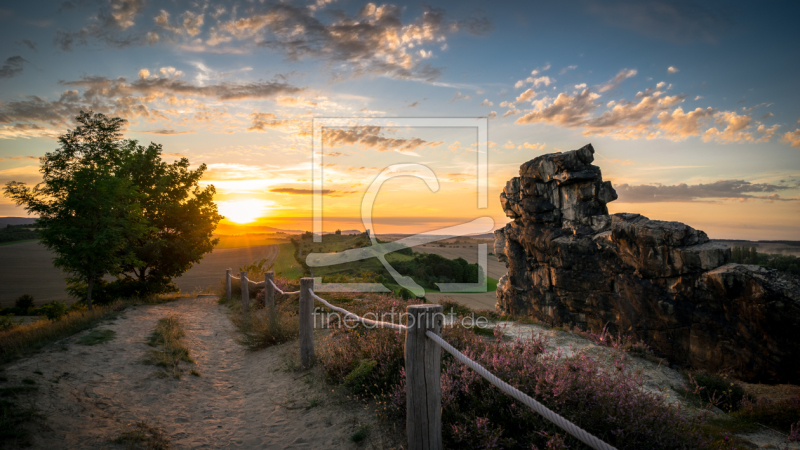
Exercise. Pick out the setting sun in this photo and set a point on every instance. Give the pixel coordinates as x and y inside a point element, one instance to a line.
<point>242,211</point>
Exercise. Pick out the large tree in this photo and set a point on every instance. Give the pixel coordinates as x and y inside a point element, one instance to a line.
<point>112,206</point>
<point>87,214</point>
<point>181,217</point>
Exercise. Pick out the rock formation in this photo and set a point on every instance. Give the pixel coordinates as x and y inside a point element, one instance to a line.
<point>570,263</point>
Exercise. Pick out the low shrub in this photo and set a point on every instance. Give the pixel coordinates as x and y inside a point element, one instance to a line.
<point>607,400</point>
<point>7,322</point>
<point>257,332</point>
<point>624,342</point>
<point>24,302</point>
<point>53,310</point>
<point>718,390</point>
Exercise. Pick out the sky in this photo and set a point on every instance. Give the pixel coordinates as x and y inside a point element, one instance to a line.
<point>693,108</point>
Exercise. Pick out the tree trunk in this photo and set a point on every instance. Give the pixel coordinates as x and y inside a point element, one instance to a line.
<point>89,293</point>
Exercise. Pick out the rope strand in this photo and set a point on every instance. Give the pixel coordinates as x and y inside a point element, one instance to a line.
<point>364,320</point>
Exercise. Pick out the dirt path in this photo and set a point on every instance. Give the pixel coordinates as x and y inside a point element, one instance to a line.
<point>90,394</point>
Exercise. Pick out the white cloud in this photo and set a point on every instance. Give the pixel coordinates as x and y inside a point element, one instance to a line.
<point>672,69</point>
<point>525,96</point>
<point>621,76</point>
<point>486,102</point>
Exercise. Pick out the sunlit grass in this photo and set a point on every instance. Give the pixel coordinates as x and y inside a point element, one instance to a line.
<point>168,337</point>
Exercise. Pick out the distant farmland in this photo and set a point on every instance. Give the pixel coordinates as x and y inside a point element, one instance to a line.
<point>26,268</point>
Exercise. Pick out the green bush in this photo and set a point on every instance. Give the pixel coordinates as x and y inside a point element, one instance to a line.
<point>357,378</point>
<point>53,310</point>
<point>405,294</point>
<point>24,302</point>
<point>719,390</point>
<point>7,322</point>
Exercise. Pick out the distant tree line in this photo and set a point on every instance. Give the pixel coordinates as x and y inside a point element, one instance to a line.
<point>430,268</point>
<point>749,255</point>
<point>13,233</point>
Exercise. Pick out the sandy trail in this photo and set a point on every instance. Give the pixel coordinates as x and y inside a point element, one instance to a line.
<point>91,393</point>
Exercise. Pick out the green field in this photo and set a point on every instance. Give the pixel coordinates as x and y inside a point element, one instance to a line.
<point>366,271</point>
<point>286,265</point>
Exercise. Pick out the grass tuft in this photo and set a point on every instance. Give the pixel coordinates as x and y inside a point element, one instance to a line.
<point>168,336</point>
<point>97,336</point>
<point>360,434</point>
<point>142,435</point>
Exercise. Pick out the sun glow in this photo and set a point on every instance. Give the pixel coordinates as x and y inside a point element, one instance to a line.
<point>243,211</point>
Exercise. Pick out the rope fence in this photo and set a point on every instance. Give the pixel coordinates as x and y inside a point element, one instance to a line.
<point>423,362</point>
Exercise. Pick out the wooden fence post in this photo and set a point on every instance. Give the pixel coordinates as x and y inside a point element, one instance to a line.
<point>228,283</point>
<point>245,291</point>
<point>269,299</point>
<point>423,374</point>
<point>306,323</point>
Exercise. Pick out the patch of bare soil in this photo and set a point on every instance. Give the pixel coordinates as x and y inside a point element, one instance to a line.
<point>92,394</point>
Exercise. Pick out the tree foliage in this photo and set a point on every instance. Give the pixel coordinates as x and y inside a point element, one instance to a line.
<point>87,214</point>
<point>181,217</point>
<point>111,206</point>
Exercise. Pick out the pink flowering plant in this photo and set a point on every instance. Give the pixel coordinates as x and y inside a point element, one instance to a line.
<point>608,401</point>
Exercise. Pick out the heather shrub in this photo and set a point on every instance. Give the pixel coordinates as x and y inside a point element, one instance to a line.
<point>624,342</point>
<point>609,401</point>
<point>718,390</point>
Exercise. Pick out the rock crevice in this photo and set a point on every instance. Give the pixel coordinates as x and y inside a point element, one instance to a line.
<point>570,263</point>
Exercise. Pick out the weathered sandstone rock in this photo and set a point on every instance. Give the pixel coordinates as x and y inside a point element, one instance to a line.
<point>571,263</point>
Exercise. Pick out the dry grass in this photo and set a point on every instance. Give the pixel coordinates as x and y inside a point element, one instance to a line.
<point>24,339</point>
<point>21,340</point>
<point>257,331</point>
<point>168,335</point>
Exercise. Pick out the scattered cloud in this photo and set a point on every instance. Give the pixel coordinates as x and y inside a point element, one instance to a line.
<point>486,102</point>
<point>371,137</point>
<point>459,96</point>
<point>297,191</point>
<point>12,67</point>
<point>536,82</point>
<point>792,138</point>
<point>528,146</point>
<point>621,76</point>
<point>525,96</point>
<point>166,132</point>
<point>30,44</point>
<point>97,86</point>
<point>110,26</point>
<point>567,69</point>
<point>672,69</point>
<point>719,190</point>
<point>375,40</point>
<point>407,153</point>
